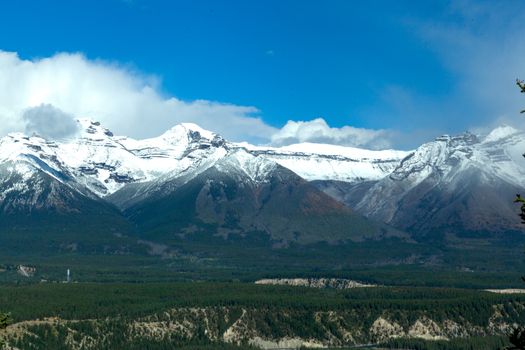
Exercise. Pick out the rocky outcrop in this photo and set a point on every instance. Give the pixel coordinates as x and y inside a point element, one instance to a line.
<point>285,343</point>
<point>383,329</point>
<point>425,328</point>
<point>335,283</point>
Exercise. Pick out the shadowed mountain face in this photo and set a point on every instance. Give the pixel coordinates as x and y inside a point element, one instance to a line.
<point>261,198</point>
<point>474,207</point>
<point>349,193</point>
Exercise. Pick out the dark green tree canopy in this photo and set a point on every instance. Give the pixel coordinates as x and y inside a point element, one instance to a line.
<point>5,320</point>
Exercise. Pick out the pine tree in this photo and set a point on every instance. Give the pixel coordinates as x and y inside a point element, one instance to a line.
<point>5,320</point>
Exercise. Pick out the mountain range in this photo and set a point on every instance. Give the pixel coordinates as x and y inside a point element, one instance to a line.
<point>99,192</point>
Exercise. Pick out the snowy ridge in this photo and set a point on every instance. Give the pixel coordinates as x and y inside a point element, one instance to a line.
<point>104,163</point>
<point>329,162</point>
<point>498,154</point>
<point>330,150</point>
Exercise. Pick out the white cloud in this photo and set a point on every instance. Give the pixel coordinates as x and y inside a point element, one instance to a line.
<point>124,101</point>
<point>42,95</point>
<point>318,131</point>
<point>49,122</point>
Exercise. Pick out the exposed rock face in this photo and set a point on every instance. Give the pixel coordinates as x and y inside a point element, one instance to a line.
<point>506,291</point>
<point>455,330</point>
<point>184,322</point>
<point>335,283</point>
<point>427,329</point>
<point>239,330</point>
<point>285,343</point>
<point>383,329</point>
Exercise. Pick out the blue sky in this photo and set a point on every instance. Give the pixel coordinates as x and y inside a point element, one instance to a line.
<point>411,69</point>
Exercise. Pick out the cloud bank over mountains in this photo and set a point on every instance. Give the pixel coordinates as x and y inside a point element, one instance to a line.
<point>44,96</point>
<point>319,131</point>
<point>125,101</point>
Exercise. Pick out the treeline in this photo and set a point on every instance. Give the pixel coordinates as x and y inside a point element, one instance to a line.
<point>83,301</point>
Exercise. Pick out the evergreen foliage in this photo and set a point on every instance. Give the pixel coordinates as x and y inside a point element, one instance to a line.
<point>5,320</point>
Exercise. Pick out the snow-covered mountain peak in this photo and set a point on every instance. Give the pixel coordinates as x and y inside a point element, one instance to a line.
<point>501,132</point>
<point>194,128</point>
<point>93,130</point>
<point>188,133</point>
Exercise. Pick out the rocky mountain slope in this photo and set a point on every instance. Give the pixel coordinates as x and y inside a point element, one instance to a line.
<point>462,185</point>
